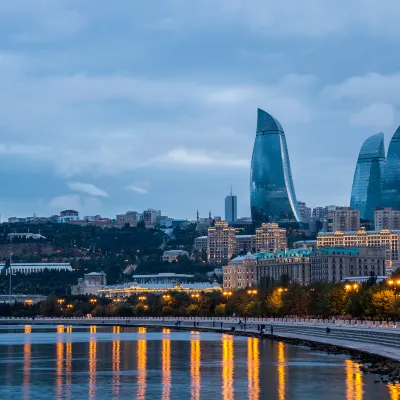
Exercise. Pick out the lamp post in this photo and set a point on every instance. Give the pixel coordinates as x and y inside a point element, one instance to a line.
<point>195,296</point>
<point>227,294</point>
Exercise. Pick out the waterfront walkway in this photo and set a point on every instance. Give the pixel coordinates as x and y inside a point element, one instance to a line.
<point>376,338</point>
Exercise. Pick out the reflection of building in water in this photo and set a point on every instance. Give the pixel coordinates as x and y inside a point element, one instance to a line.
<point>354,381</point>
<point>166,364</point>
<point>92,365</point>
<point>68,366</point>
<point>281,371</point>
<point>253,368</point>
<point>227,367</point>
<point>59,367</point>
<point>27,362</point>
<point>116,360</point>
<point>141,365</point>
<point>195,362</point>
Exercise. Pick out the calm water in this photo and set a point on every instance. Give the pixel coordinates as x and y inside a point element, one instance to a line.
<point>63,362</point>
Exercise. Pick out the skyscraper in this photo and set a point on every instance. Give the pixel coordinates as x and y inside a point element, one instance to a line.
<point>368,177</point>
<point>272,195</point>
<point>391,180</point>
<point>230,208</point>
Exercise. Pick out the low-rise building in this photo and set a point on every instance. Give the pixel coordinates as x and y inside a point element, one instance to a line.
<point>164,278</point>
<point>29,268</point>
<point>135,288</point>
<point>90,284</point>
<point>27,299</point>
<point>172,255</point>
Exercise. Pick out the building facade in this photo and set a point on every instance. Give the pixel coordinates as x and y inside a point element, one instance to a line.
<point>200,243</point>
<point>221,243</point>
<point>230,208</point>
<point>30,268</point>
<point>366,192</point>
<point>270,238</point>
<point>163,277</point>
<point>387,239</point>
<point>387,219</point>
<point>305,212</point>
<point>391,187</point>
<point>337,263</point>
<point>245,244</point>
<point>272,195</point>
<point>240,273</point>
<point>90,284</point>
<point>345,219</point>
<point>172,255</point>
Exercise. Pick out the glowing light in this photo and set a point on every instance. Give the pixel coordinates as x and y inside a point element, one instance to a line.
<point>116,329</point>
<point>27,366</point>
<point>59,368</point>
<point>142,329</point>
<point>28,329</point>
<point>92,329</point>
<point>68,367</point>
<point>281,371</point>
<point>92,366</point>
<point>60,328</point>
<point>166,365</point>
<point>394,391</point>
<point>253,368</point>
<point>195,362</point>
<point>354,382</point>
<point>227,367</point>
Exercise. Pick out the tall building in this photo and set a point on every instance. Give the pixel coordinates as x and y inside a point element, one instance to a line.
<point>387,219</point>
<point>272,195</point>
<point>367,183</point>
<point>385,238</point>
<point>270,238</point>
<point>221,243</point>
<point>391,180</point>
<point>231,208</point>
<point>151,217</point>
<point>345,219</point>
<point>305,212</point>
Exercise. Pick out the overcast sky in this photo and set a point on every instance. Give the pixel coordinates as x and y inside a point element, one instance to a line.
<point>114,106</point>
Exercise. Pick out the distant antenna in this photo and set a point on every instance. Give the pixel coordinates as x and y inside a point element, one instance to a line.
<point>231,190</point>
<point>197,215</point>
<point>209,214</point>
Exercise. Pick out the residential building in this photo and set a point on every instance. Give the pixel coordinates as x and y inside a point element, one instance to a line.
<point>368,177</point>
<point>151,217</point>
<point>385,238</point>
<point>319,212</point>
<point>305,212</point>
<point>270,238</point>
<point>134,288</point>
<point>387,218</point>
<point>391,179</point>
<point>90,284</point>
<point>272,195</point>
<point>336,263</point>
<point>201,243</point>
<point>345,219</point>
<point>172,255</point>
<point>230,208</point>
<point>245,244</point>
<point>221,243</point>
<point>68,215</point>
<point>29,268</point>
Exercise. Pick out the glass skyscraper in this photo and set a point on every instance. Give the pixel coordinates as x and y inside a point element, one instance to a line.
<point>391,181</point>
<point>272,195</point>
<point>368,177</point>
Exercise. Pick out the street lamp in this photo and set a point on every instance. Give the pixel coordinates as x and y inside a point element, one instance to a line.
<point>70,306</point>
<point>60,301</point>
<point>195,296</point>
<point>142,298</point>
<point>227,294</point>
<point>93,301</point>
<point>252,292</point>
<point>166,297</point>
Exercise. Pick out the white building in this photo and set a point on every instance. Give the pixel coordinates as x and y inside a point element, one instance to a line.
<point>172,255</point>
<point>27,235</point>
<point>30,268</point>
<point>164,278</point>
<point>90,284</point>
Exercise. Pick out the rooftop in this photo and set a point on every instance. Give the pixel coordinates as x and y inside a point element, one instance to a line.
<point>164,275</point>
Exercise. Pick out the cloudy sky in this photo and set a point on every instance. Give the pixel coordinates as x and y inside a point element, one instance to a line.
<point>114,106</point>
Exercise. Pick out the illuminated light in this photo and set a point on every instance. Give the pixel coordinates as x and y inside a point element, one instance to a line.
<point>394,391</point>
<point>28,302</point>
<point>116,329</point>
<point>398,282</point>
<point>253,368</point>
<point>59,368</point>
<point>195,362</point>
<point>60,301</point>
<point>27,367</point>
<point>348,287</point>
<point>142,330</point>
<point>166,366</point>
<point>355,286</point>
<point>69,329</point>
<point>92,367</point>
<point>68,368</point>
<point>28,329</point>
<point>92,329</point>
<point>281,371</point>
<point>354,381</point>
<point>70,306</point>
<point>93,301</point>
<point>116,361</point>
<point>390,282</point>
<point>280,290</point>
<point>227,367</point>
<point>141,367</point>
<point>60,328</point>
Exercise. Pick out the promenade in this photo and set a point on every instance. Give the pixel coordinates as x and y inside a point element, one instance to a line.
<point>378,338</point>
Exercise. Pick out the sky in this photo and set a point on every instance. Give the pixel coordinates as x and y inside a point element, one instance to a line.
<point>113,106</point>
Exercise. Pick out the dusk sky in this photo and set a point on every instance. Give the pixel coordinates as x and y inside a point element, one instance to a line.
<point>113,106</point>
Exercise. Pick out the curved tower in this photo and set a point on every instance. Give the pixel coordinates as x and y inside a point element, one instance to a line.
<point>272,195</point>
<point>391,181</point>
<point>368,177</point>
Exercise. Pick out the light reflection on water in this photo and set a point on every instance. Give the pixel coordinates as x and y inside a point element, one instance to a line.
<point>119,363</point>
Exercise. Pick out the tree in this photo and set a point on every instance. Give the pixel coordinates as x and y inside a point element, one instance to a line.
<point>274,303</point>
<point>383,302</point>
<point>50,307</point>
<point>337,300</point>
<point>295,301</point>
<point>220,310</point>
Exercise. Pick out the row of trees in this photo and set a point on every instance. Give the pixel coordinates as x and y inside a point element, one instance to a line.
<point>370,300</point>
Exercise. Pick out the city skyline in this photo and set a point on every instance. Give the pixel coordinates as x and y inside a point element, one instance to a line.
<point>155,108</point>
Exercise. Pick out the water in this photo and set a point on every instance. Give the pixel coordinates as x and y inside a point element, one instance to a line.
<point>67,362</point>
